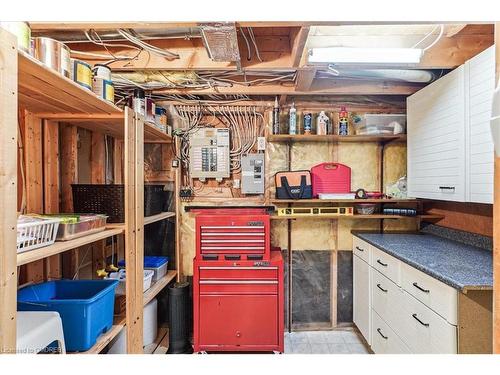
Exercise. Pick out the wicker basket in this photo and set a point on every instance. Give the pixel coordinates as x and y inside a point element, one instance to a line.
<point>110,200</point>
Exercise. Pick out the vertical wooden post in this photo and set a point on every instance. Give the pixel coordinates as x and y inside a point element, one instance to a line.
<point>8,191</point>
<point>496,223</point>
<point>69,175</point>
<point>98,176</point>
<point>51,186</point>
<point>32,140</point>
<point>134,248</point>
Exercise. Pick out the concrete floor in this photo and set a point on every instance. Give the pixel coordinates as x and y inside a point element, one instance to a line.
<point>346,341</point>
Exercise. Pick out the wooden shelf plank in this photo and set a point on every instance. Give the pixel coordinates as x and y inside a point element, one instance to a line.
<point>356,201</point>
<point>160,216</point>
<point>45,90</point>
<point>158,286</point>
<point>105,338</point>
<point>335,138</point>
<point>357,217</point>
<point>154,135</point>
<point>62,246</point>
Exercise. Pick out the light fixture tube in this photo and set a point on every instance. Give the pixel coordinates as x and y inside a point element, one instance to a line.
<point>350,55</point>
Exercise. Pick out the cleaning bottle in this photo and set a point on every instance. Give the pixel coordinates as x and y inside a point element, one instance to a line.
<point>292,124</point>
<point>276,117</point>
<point>322,123</point>
<point>343,122</point>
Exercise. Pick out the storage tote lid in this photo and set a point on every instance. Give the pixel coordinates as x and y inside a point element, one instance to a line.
<point>149,261</point>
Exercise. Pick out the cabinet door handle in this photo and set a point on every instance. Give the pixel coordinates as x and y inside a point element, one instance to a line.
<point>360,249</point>
<point>420,288</point>
<point>382,289</point>
<point>381,263</point>
<point>418,320</point>
<point>447,187</point>
<point>381,334</point>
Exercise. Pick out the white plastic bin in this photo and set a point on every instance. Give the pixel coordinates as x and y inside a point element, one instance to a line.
<point>379,124</point>
<point>121,277</point>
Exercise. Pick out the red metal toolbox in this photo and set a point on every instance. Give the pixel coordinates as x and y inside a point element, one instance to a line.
<point>232,234</point>
<point>330,178</point>
<point>238,305</point>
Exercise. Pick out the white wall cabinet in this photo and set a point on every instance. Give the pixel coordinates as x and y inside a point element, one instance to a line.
<point>450,151</point>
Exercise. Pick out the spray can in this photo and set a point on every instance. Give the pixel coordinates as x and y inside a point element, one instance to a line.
<point>292,123</point>
<point>307,123</point>
<point>343,122</point>
<point>139,102</point>
<point>276,117</point>
<point>322,123</point>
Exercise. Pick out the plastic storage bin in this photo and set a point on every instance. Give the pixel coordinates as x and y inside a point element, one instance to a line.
<point>121,277</point>
<point>34,232</point>
<point>376,124</point>
<point>85,307</point>
<point>154,263</point>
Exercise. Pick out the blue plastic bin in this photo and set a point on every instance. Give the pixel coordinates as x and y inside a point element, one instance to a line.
<point>150,261</point>
<point>86,307</point>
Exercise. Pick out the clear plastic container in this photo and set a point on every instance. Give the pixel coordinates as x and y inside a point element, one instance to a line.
<point>379,124</point>
<point>121,277</point>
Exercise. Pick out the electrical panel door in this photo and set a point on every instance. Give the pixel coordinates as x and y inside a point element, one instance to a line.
<point>252,174</point>
<point>209,153</point>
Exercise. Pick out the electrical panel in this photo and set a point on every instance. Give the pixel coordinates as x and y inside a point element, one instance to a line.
<point>209,153</point>
<point>252,174</point>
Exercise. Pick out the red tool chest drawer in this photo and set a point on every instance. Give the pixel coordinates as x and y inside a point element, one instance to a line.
<point>238,273</point>
<point>248,321</point>
<point>239,287</point>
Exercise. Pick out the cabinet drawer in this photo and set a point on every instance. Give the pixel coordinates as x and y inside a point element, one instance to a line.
<point>386,264</point>
<point>384,339</point>
<point>424,331</point>
<point>433,293</point>
<point>387,298</point>
<point>361,248</point>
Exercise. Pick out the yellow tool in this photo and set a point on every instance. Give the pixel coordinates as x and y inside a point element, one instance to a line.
<point>315,211</point>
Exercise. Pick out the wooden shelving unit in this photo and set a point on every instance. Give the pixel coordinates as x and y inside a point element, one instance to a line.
<point>60,247</point>
<point>335,138</point>
<point>46,103</point>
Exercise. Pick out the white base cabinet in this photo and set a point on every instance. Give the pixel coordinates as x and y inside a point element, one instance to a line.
<point>399,309</point>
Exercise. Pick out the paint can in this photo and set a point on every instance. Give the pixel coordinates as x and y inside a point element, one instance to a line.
<point>102,71</point>
<point>22,31</point>
<point>307,123</point>
<point>53,54</point>
<point>81,73</point>
<point>104,89</point>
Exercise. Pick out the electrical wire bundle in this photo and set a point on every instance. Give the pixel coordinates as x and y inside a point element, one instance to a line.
<point>244,122</point>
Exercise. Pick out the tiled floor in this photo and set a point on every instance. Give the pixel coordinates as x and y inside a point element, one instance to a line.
<point>347,341</point>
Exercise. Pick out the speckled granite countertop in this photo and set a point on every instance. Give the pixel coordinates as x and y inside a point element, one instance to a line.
<point>458,265</point>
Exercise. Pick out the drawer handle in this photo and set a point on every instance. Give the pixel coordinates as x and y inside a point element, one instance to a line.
<point>447,187</point>
<point>360,249</point>
<point>382,289</point>
<point>420,288</point>
<point>381,334</point>
<point>381,263</point>
<point>418,320</point>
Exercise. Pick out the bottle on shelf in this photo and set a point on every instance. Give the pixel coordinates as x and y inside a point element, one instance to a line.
<point>322,123</point>
<point>343,122</point>
<point>307,122</point>
<point>276,117</point>
<point>292,122</point>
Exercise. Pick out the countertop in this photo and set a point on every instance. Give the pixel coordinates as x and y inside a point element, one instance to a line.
<point>461,266</point>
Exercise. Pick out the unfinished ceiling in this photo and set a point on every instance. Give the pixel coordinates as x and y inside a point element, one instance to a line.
<point>262,59</point>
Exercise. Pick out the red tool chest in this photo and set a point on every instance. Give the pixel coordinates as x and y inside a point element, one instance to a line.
<point>238,301</point>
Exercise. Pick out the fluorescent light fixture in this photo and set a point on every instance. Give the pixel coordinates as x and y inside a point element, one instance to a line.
<point>349,55</point>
